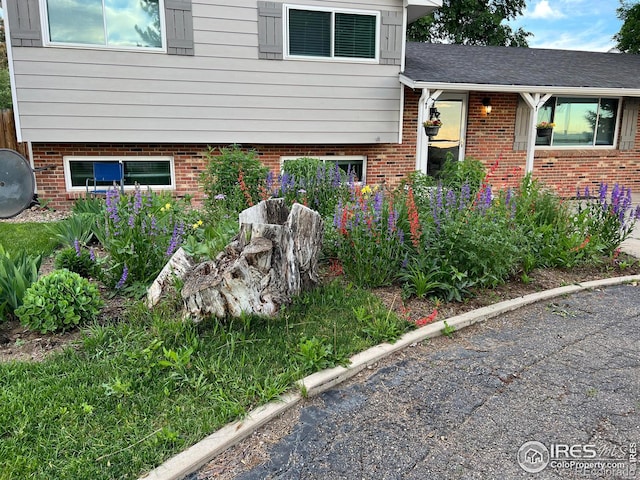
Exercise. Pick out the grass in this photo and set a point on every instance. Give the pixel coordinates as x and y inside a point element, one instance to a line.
<point>28,236</point>
<point>132,394</point>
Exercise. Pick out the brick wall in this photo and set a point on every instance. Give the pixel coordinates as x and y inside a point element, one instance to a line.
<point>489,138</point>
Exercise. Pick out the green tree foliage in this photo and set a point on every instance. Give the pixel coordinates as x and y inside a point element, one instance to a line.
<point>471,22</point>
<point>628,37</point>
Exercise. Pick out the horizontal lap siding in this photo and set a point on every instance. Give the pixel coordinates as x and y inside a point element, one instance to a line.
<point>222,94</point>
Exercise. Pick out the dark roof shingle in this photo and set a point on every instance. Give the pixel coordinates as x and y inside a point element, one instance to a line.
<point>446,63</point>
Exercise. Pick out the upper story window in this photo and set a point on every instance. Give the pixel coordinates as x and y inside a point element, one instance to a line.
<point>580,121</point>
<point>336,34</point>
<point>106,23</point>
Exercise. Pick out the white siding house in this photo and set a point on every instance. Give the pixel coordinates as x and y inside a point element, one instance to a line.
<point>222,73</point>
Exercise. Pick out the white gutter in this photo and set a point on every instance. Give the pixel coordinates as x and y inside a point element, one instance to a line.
<point>554,90</point>
<point>12,77</point>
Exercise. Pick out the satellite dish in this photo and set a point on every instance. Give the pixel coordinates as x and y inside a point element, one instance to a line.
<point>17,183</point>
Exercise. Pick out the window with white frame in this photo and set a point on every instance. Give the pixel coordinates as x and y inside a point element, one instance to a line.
<point>580,122</point>
<point>330,33</point>
<point>353,165</point>
<point>107,23</point>
<point>154,172</point>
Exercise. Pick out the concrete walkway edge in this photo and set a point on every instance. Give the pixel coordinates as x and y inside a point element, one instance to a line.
<point>204,451</point>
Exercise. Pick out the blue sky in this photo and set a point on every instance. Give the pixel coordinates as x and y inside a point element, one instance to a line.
<point>571,24</point>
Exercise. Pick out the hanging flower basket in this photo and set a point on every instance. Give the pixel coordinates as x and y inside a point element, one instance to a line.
<point>544,132</point>
<point>431,131</point>
<point>432,127</point>
<point>544,129</point>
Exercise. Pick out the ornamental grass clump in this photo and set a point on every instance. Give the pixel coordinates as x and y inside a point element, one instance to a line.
<point>17,272</point>
<point>140,232</point>
<point>59,301</point>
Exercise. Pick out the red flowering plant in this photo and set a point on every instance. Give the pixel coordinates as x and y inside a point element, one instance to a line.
<point>367,238</point>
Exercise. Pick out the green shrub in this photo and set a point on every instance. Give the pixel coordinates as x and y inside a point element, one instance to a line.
<point>79,261</point>
<point>455,174</point>
<point>234,178</point>
<point>17,273</point>
<point>60,300</point>
<point>314,183</point>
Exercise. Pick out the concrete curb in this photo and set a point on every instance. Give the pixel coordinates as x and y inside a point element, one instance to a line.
<point>202,452</point>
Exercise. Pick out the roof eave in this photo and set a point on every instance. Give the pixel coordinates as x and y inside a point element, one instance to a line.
<point>419,8</point>
<point>555,90</point>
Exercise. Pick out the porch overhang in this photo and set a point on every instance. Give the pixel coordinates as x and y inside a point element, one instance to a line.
<point>419,8</point>
<point>554,90</point>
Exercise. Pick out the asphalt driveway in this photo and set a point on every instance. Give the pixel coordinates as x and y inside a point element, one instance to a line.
<point>563,374</point>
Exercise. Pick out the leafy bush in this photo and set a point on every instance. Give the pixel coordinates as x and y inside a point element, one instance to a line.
<point>206,241</point>
<point>313,183</point>
<point>60,300</point>
<point>233,177</point>
<point>552,235</point>
<point>454,174</point>
<point>17,273</point>
<point>80,260</point>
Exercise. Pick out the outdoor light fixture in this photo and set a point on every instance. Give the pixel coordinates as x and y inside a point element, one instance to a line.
<point>486,102</point>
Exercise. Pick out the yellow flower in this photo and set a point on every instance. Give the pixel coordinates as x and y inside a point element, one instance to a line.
<point>167,206</point>
<point>197,224</point>
<point>366,190</point>
<point>162,209</point>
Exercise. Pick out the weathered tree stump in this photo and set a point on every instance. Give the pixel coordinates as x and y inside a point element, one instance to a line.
<point>176,268</point>
<point>273,258</point>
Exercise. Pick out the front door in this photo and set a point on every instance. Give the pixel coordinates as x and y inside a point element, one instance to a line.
<point>449,143</point>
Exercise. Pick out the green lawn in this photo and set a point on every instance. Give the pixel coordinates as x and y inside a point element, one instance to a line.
<point>132,394</point>
<point>28,236</point>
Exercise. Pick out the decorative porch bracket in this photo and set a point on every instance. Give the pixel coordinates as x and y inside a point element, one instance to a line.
<point>535,102</point>
<point>422,141</point>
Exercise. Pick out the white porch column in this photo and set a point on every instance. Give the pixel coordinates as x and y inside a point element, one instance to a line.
<point>422,141</point>
<point>535,102</point>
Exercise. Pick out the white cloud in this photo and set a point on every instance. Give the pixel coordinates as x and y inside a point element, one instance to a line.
<point>543,10</point>
<point>591,40</point>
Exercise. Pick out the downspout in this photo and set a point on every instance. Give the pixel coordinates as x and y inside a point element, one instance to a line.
<point>12,76</point>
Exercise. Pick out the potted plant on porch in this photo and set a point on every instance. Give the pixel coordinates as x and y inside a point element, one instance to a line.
<point>432,127</point>
<point>544,129</point>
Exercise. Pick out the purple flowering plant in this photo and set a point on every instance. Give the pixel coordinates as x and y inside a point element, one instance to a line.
<point>368,237</point>
<point>140,233</point>
<point>608,218</point>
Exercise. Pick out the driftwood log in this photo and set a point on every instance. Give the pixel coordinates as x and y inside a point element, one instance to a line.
<point>273,258</point>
